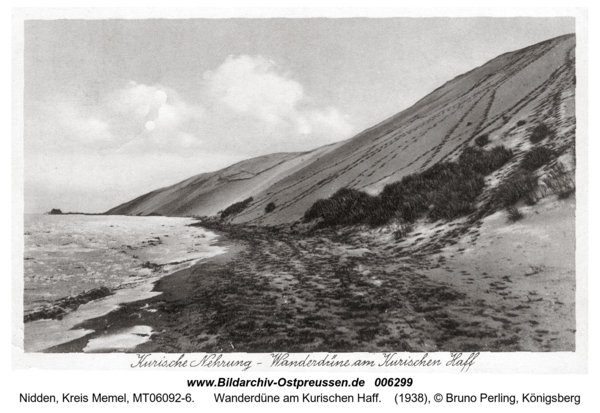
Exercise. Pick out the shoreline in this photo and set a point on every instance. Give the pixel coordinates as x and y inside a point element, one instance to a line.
<point>115,261</point>
<point>168,287</point>
<point>474,286</point>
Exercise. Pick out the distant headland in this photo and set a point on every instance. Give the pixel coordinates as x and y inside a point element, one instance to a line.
<point>57,211</point>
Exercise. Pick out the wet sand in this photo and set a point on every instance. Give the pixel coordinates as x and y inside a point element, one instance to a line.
<point>146,312</point>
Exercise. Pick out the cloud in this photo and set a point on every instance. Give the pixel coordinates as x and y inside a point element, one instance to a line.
<point>133,112</point>
<point>253,86</point>
<point>152,134</point>
<point>246,106</point>
<point>255,91</point>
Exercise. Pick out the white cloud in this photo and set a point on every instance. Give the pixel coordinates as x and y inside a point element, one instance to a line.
<point>154,114</point>
<point>248,106</point>
<point>256,92</point>
<point>133,100</point>
<point>253,86</point>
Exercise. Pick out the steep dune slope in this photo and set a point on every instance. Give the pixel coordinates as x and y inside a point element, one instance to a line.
<point>209,193</point>
<point>489,99</point>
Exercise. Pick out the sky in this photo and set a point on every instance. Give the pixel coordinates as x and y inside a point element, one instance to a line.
<point>116,108</point>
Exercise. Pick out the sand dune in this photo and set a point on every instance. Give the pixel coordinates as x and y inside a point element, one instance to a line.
<point>489,99</point>
<point>498,276</point>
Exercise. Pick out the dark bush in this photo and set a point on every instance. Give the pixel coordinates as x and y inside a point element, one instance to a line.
<point>482,140</point>
<point>536,158</point>
<point>456,198</point>
<point>515,187</point>
<point>483,162</point>
<point>446,190</point>
<point>270,207</point>
<point>236,208</point>
<point>532,197</point>
<point>521,122</point>
<point>540,132</point>
<point>345,207</point>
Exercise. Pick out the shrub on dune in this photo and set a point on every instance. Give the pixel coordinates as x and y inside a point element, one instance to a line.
<point>404,229</point>
<point>346,207</point>
<point>540,132</point>
<point>536,158</point>
<point>560,181</point>
<point>236,208</point>
<point>482,140</point>
<point>513,214</point>
<point>447,190</point>
<point>516,187</point>
<point>270,207</point>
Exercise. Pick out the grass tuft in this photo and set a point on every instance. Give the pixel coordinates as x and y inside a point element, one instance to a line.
<point>401,233</point>
<point>560,181</point>
<point>514,214</point>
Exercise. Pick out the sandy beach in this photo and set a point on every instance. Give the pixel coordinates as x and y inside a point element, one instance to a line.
<point>278,289</point>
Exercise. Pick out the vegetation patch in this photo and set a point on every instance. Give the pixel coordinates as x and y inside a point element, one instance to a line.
<point>560,181</point>
<point>346,207</point>
<point>482,140</point>
<point>270,207</point>
<point>445,191</point>
<point>536,158</point>
<point>513,214</point>
<point>516,187</point>
<point>405,229</point>
<point>523,183</point>
<point>236,208</point>
<point>540,132</point>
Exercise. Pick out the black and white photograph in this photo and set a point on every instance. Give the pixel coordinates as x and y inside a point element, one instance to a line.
<point>340,195</point>
<point>287,208</point>
<point>300,185</point>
